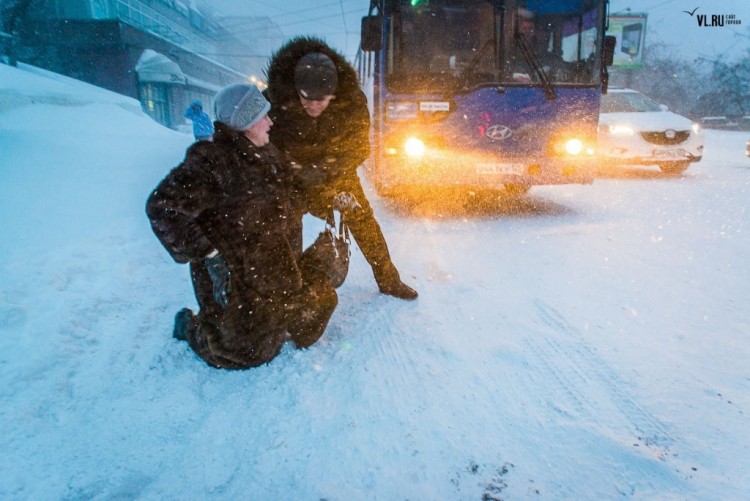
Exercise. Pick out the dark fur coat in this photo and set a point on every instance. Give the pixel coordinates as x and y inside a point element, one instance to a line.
<point>231,196</point>
<point>334,144</point>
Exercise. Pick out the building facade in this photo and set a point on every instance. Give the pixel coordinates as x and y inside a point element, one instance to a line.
<point>162,52</point>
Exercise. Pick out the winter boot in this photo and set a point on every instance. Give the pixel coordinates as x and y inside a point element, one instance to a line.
<point>389,282</point>
<point>184,324</point>
<point>398,289</point>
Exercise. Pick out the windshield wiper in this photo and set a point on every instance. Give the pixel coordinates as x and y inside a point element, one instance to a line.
<point>478,57</point>
<point>465,77</point>
<point>533,63</point>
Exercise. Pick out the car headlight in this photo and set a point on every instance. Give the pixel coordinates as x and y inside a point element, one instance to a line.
<point>401,110</point>
<point>697,128</point>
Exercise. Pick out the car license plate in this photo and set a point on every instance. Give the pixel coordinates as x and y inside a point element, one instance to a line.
<point>510,168</point>
<point>676,153</point>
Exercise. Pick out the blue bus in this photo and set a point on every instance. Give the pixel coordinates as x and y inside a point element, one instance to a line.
<point>484,93</point>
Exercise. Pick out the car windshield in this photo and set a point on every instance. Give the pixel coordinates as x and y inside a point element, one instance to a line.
<point>627,102</point>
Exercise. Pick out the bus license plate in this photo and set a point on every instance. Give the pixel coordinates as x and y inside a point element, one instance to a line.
<point>513,168</point>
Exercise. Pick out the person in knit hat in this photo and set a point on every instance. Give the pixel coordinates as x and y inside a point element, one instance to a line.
<point>225,210</point>
<point>203,128</point>
<point>323,128</point>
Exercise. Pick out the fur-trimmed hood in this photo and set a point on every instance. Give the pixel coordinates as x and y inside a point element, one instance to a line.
<point>280,71</point>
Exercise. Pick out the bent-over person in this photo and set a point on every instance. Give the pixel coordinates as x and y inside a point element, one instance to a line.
<point>323,127</point>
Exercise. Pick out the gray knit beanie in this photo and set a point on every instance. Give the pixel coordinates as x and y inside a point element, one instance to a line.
<point>240,106</point>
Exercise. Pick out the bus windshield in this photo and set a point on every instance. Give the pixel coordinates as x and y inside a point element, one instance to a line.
<point>459,45</point>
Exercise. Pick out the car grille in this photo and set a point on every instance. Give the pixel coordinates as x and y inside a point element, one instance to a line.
<point>680,136</point>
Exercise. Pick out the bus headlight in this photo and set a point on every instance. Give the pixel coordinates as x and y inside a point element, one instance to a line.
<point>414,147</point>
<point>573,146</point>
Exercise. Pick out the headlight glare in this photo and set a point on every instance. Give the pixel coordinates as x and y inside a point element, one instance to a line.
<point>414,147</point>
<point>573,146</point>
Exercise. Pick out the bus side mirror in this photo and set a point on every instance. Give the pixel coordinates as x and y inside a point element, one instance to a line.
<point>371,31</point>
<point>608,53</point>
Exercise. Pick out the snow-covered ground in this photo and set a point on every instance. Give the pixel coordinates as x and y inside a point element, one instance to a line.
<point>591,342</point>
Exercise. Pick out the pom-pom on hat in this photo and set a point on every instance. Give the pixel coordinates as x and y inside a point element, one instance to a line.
<point>315,76</point>
<point>240,106</point>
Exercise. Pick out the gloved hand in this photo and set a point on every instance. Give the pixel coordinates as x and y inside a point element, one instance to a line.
<point>220,277</point>
<point>345,202</point>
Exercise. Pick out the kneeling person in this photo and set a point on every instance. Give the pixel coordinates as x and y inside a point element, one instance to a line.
<point>225,210</point>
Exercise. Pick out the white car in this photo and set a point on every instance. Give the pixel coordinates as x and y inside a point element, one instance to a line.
<point>634,129</point>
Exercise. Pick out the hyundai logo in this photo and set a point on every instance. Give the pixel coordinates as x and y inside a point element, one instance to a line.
<point>498,132</point>
<point>671,134</point>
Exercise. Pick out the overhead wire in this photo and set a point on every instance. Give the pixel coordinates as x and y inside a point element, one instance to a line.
<point>293,23</point>
<point>271,29</point>
<point>284,14</point>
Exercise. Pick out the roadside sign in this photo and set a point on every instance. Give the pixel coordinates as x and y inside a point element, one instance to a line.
<point>630,32</point>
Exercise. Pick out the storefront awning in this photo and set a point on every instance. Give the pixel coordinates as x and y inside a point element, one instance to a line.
<point>155,67</point>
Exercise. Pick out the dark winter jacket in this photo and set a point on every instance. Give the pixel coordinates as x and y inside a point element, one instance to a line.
<point>202,125</point>
<point>231,196</point>
<point>335,143</point>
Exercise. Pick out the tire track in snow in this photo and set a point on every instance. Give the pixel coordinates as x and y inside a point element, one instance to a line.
<point>397,375</point>
<point>589,411</point>
<point>393,351</point>
<point>590,388</point>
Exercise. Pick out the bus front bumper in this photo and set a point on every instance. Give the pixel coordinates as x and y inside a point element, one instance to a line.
<point>485,172</point>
